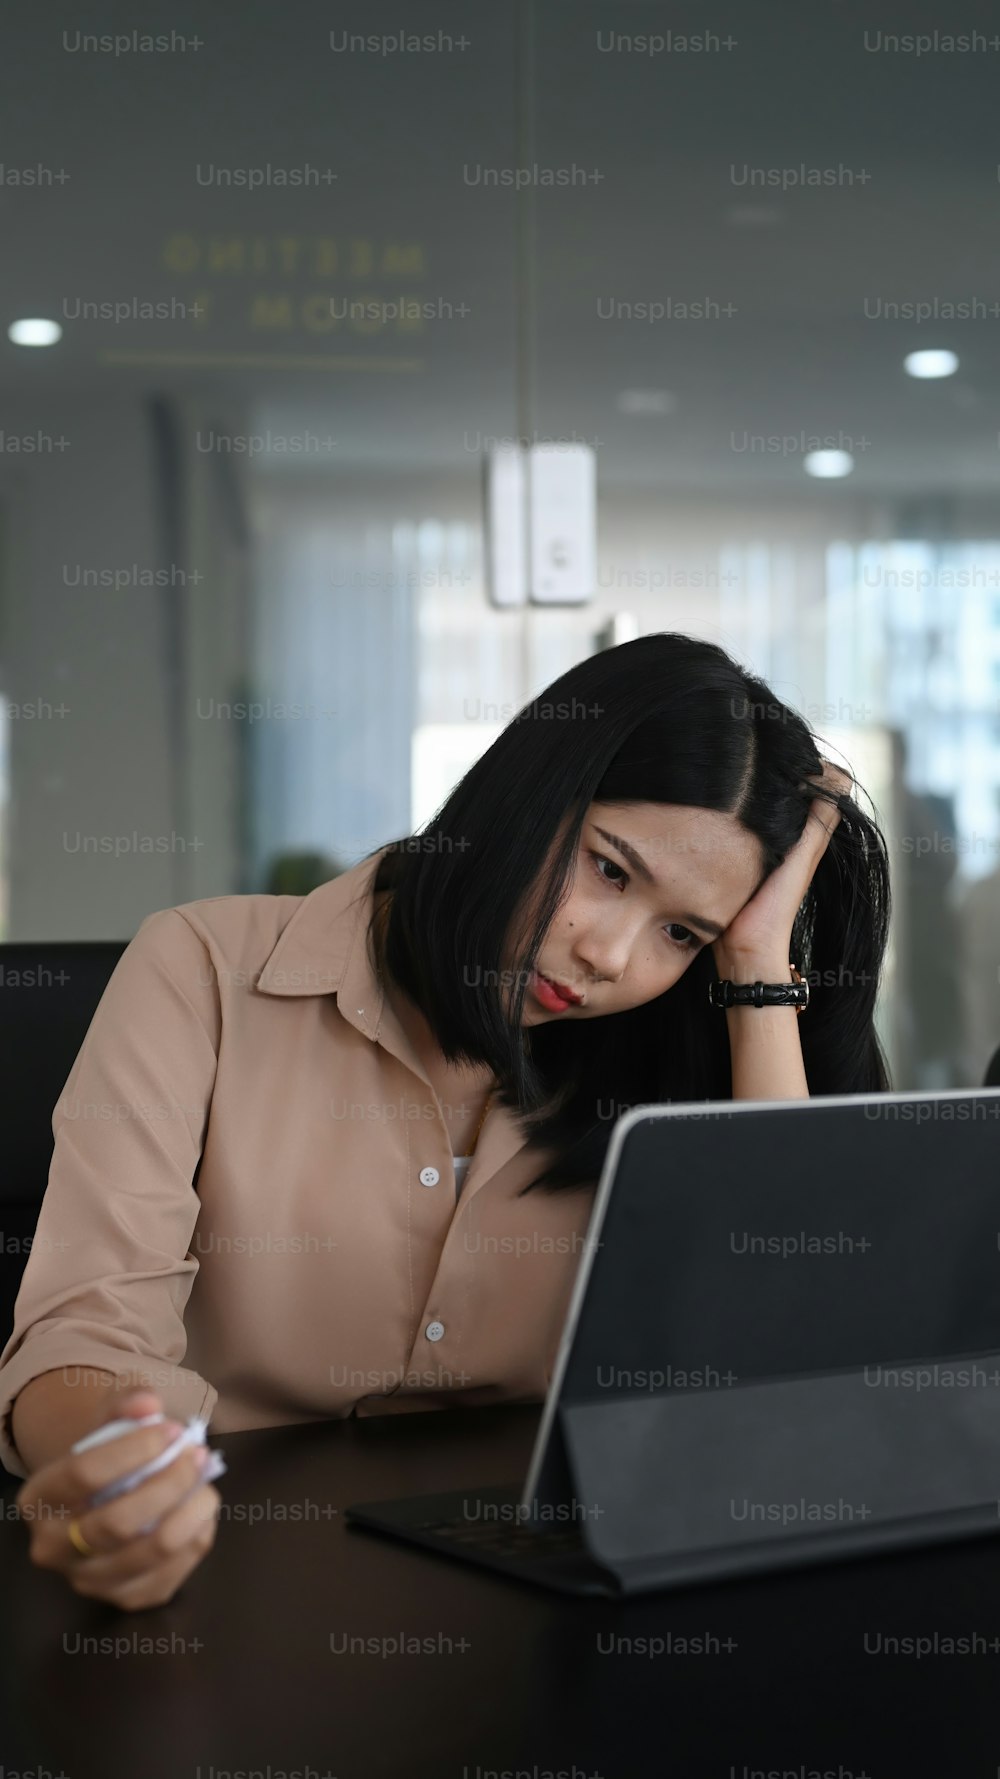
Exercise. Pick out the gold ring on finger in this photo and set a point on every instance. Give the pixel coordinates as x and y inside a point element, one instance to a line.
<point>78,1541</point>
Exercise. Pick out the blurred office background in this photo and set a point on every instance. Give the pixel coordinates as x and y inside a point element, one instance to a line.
<point>234,487</point>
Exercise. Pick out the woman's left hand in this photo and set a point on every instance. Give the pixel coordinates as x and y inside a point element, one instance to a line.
<point>761,932</point>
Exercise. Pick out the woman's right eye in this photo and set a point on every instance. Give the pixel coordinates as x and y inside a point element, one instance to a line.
<point>618,882</point>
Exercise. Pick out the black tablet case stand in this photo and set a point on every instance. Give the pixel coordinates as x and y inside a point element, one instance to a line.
<point>664,1485</point>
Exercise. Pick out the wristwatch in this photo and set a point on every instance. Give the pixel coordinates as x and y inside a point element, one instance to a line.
<point>725,993</point>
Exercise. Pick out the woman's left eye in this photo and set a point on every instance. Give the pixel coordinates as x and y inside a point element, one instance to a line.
<point>689,942</point>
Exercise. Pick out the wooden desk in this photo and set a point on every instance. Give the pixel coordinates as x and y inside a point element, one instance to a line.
<point>514,1679</point>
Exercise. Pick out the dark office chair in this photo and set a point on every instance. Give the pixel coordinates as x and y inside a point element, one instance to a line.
<point>993,1070</point>
<point>49,994</point>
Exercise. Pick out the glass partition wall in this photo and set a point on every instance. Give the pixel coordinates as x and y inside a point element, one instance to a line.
<point>250,592</point>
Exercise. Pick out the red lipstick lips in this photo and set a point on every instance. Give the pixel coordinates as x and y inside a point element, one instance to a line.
<point>554,995</point>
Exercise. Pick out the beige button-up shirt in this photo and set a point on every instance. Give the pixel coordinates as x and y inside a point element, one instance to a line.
<point>252,1197</point>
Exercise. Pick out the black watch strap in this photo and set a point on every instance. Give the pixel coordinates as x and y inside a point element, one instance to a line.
<point>725,993</point>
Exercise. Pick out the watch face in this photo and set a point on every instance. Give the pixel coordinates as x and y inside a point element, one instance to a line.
<point>724,993</point>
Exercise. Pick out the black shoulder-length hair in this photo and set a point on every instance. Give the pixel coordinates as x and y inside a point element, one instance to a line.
<point>669,719</point>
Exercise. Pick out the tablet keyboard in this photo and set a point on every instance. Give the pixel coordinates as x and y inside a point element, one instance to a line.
<point>507,1539</point>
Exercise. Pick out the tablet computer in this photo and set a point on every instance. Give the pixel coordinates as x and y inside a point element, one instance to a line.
<point>783,1346</point>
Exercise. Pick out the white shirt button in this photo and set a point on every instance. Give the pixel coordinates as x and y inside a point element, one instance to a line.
<point>434,1330</point>
<point>429,1176</point>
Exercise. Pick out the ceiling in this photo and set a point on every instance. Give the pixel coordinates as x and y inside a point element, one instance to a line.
<point>547,344</point>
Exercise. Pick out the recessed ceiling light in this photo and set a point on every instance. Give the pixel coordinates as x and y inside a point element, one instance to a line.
<point>34,332</point>
<point>930,364</point>
<point>647,401</point>
<point>827,464</point>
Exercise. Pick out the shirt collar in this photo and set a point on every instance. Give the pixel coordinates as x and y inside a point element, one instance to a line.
<point>323,950</point>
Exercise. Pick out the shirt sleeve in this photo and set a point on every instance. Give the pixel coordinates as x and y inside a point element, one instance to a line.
<point>110,1269</point>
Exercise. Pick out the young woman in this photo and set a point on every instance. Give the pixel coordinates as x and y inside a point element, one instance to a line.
<point>390,1100</point>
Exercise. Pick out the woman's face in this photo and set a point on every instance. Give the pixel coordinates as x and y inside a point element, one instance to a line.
<point>625,934</point>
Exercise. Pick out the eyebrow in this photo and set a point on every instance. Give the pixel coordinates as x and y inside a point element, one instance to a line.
<point>628,852</point>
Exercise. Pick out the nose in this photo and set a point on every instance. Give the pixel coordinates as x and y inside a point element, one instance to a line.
<point>600,959</point>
